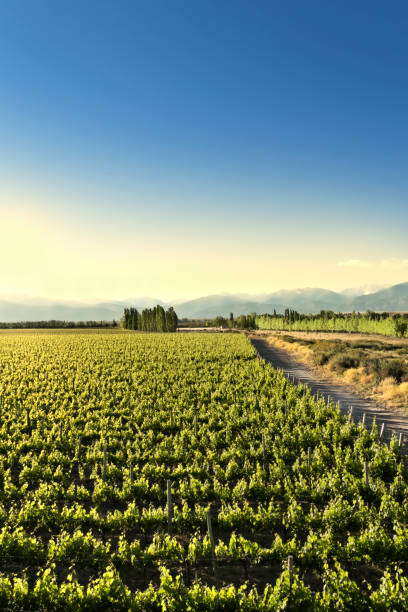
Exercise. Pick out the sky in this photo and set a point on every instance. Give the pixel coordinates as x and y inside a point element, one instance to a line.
<point>180,149</point>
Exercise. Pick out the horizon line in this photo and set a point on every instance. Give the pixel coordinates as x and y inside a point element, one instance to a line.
<point>14,297</point>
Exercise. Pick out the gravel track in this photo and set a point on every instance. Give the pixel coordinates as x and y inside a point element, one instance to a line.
<point>394,422</point>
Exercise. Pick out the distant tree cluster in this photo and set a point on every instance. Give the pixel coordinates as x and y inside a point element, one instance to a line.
<point>195,323</point>
<point>241,322</point>
<point>150,319</point>
<point>387,323</point>
<point>220,321</point>
<point>54,324</point>
<point>246,321</point>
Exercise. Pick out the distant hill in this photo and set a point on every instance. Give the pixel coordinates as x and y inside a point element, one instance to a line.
<point>303,300</point>
<point>363,290</point>
<point>309,300</point>
<point>43,310</point>
<point>306,300</point>
<point>213,305</point>
<point>394,298</point>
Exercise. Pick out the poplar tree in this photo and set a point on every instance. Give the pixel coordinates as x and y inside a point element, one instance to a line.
<point>126,315</point>
<point>150,319</point>
<point>160,319</point>
<point>171,320</point>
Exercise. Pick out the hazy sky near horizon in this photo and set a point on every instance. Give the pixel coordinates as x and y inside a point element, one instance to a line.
<point>178,149</point>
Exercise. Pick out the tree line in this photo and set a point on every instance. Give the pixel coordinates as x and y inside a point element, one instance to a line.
<point>240,322</point>
<point>387,323</point>
<point>150,319</point>
<point>54,324</point>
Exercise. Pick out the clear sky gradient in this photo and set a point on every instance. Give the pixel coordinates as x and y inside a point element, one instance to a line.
<point>178,149</point>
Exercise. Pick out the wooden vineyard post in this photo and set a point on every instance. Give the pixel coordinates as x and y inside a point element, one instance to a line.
<point>366,479</point>
<point>188,580</point>
<point>265,461</point>
<point>363,420</point>
<point>351,413</point>
<point>212,542</point>
<point>104,461</point>
<point>400,439</point>
<point>169,509</point>
<point>290,570</point>
<point>382,430</point>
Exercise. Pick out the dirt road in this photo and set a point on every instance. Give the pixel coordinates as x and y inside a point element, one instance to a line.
<point>394,422</point>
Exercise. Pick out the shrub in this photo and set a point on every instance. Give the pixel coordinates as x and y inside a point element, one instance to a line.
<point>387,368</point>
<point>343,361</point>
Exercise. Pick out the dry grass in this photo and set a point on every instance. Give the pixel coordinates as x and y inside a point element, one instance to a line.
<point>391,391</point>
<point>298,349</point>
<point>357,376</point>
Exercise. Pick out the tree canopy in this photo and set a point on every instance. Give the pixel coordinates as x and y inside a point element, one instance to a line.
<point>155,319</point>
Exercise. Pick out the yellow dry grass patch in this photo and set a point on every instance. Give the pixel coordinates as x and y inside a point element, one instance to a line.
<point>351,376</point>
<point>387,383</point>
<point>355,376</point>
<point>390,390</point>
<point>304,352</point>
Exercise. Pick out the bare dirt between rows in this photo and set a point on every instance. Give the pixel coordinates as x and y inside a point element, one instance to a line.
<point>395,422</point>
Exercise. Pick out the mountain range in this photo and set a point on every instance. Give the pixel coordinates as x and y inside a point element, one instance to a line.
<point>307,300</point>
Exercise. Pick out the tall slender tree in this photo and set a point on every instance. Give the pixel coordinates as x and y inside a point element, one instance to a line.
<point>150,319</point>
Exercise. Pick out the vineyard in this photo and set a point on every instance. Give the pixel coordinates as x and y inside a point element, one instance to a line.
<point>180,472</point>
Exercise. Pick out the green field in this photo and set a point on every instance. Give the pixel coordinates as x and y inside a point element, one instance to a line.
<point>95,428</point>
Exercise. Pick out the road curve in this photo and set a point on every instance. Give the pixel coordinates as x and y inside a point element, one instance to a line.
<point>394,422</point>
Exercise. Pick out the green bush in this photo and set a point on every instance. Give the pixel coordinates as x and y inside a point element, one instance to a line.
<point>344,361</point>
<point>387,368</point>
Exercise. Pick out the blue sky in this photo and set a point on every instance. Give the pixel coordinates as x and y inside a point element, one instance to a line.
<point>189,148</point>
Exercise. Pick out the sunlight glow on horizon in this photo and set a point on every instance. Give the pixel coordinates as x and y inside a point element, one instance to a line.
<point>146,151</point>
<point>48,255</point>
